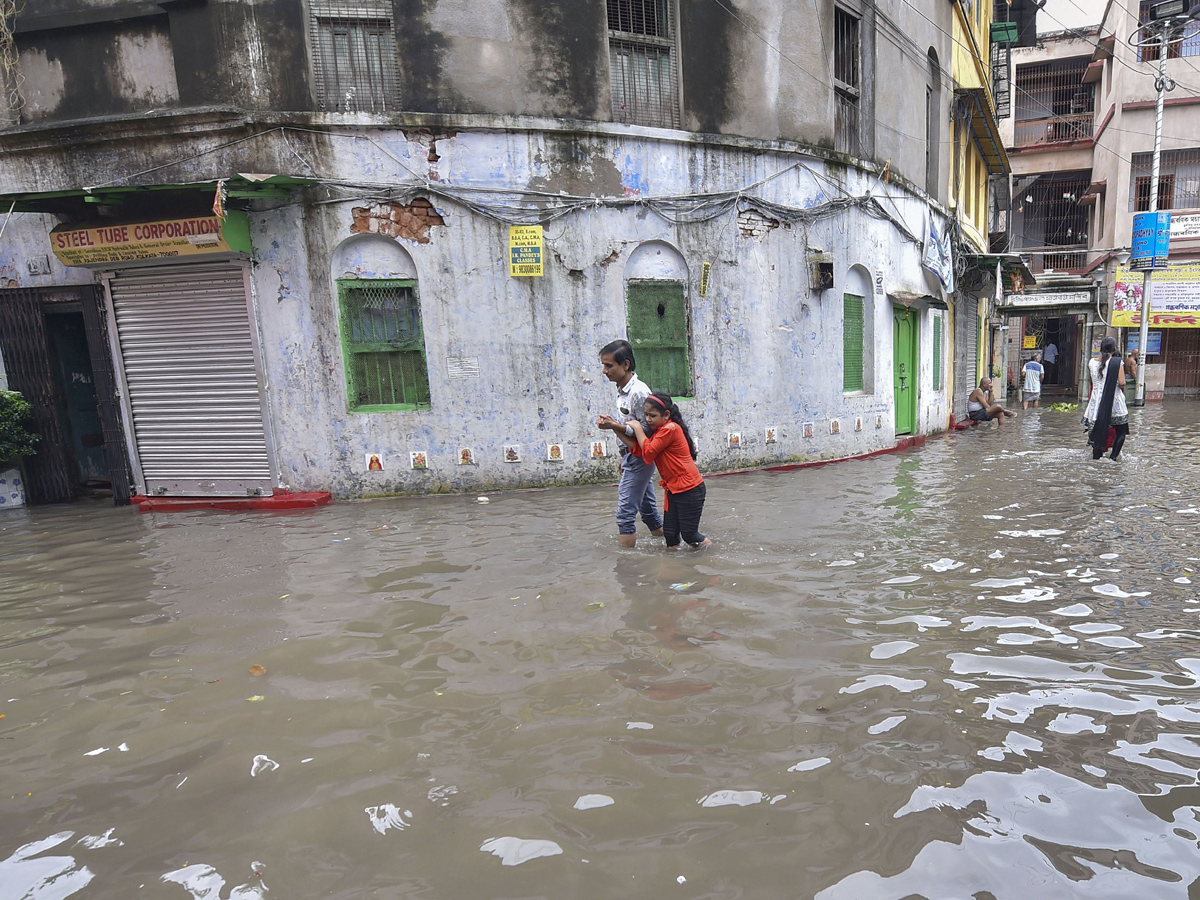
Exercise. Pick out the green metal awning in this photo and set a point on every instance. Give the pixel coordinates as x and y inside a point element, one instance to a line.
<point>82,202</point>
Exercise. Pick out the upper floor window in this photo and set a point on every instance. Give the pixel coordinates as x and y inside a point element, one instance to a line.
<point>354,56</point>
<point>847,71</point>
<point>643,62</point>
<point>1052,103</point>
<point>1189,46</point>
<point>1178,180</point>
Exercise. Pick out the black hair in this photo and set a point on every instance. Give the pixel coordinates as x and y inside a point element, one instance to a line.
<point>1108,349</point>
<point>672,409</point>
<point>621,352</point>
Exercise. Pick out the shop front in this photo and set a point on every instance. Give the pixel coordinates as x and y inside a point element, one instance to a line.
<point>1058,325</point>
<point>1174,336</point>
<point>185,348</point>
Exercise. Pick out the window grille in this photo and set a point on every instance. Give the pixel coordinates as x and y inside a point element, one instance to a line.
<point>852,343</point>
<point>937,353</point>
<point>1188,46</point>
<point>1050,228</point>
<point>658,332</point>
<point>847,56</point>
<point>642,54</point>
<point>1178,180</point>
<point>384,345</point>
<point>354,56</point>
<point>1052,103</point>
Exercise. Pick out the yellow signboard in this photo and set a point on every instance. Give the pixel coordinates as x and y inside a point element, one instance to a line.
<point>525,250</point>
<point>1029,342</point>
<point>107,244</point>
<point>1174,298</point>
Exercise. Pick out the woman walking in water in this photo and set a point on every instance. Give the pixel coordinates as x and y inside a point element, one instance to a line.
<point>1106,407</point>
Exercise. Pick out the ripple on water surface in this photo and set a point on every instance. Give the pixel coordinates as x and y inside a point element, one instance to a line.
<point>964,670</point>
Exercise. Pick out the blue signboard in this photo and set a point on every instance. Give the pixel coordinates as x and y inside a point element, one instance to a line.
<point>1151,240</point>
<point>1153,343</point>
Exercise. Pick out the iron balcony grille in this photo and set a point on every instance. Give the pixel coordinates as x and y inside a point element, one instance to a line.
<point>1049,227</point>
<point>354,57</point>
<point>643,62</point>
<point>1178,180</point>
<point>1052,103</point>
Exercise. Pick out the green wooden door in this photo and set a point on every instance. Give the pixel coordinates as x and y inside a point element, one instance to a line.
<point>904,368</point>
<point>658,331</point>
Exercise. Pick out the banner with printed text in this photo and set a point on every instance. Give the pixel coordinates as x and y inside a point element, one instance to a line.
<point>1174,297</point>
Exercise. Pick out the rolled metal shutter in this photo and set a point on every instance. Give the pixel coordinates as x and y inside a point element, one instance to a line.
<point>191,377</point>
<point>965,363</point>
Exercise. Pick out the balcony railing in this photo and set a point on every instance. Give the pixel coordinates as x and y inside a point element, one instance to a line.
<point>1057,259</point>
<point>1053,130</point>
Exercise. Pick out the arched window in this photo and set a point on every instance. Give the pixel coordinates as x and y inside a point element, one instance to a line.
<point>933,125</point>
<point>379,317</point>
<point>858,333</point>
<point>656,279</point>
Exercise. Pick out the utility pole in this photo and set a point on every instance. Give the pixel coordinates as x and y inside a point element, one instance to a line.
<point>1170,17</point>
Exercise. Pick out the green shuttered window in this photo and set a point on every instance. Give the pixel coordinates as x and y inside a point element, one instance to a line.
<point>852,343</point>
<point>658,331</point>
<point>384,345</point>
<point>937,353</point>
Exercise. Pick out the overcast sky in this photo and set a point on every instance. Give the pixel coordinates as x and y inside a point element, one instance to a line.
<point>1058,15</point>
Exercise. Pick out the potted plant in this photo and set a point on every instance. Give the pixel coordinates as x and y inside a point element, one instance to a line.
<point>16,441</point>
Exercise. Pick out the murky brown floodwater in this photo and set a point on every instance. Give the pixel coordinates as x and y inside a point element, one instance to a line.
<point>968,670</point>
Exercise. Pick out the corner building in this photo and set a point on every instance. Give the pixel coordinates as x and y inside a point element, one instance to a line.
<point>284,233</point>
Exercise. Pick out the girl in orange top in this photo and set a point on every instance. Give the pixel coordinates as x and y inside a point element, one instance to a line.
<point>670,447</point>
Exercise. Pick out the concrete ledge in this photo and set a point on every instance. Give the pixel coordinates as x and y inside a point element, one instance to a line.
<point>279,500</point>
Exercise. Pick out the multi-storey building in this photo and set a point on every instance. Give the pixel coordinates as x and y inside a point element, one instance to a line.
<point>373,246</point>
<point>1081,141</point>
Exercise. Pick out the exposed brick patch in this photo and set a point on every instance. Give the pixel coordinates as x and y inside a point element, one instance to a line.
<point>754,224</point>
<point>395,220</point>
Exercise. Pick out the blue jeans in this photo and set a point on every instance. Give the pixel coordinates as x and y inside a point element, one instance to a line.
<point>635,494</point>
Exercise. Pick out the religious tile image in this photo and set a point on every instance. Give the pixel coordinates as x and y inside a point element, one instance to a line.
<point>374,462</point>
<point>418,459</point>
<point>512,453</point>
<point>466,456</point>
<point>554,452</point>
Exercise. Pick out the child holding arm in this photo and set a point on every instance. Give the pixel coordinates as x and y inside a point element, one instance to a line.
<point>667,443</point>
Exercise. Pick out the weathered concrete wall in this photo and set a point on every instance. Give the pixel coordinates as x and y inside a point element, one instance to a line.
<point>754,68</point>
<point>766,351</point>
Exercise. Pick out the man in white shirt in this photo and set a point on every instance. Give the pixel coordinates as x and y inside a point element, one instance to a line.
<point>635,490</point>
<point>1034,372</point>
<point>1052,361</point>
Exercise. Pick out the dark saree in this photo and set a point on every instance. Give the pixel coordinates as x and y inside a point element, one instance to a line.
<point>1099,435</point>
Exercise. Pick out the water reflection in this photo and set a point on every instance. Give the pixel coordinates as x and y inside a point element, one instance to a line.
<point>968,670</point>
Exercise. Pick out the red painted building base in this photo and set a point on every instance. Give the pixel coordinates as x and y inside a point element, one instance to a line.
<point>279,500</point>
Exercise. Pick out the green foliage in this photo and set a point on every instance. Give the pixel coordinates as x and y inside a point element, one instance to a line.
<point>15,439</point>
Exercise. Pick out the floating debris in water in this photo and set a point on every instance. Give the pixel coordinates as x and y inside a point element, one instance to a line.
<point>1063,407</point>
<point>682,585</point>
<point>631,726</point>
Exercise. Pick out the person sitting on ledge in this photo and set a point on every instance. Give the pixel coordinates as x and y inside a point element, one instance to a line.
<point>982,406</point>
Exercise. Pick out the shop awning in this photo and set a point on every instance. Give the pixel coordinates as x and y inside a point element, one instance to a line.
<point>908,298</point>
<point>985,130</point>
<point>1010,264</point>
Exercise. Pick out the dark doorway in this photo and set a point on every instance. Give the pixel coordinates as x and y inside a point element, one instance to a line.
<point>56,354</point>
<point>78,411</point>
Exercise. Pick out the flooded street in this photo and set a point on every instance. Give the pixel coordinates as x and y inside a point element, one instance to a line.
<point>965,670</point>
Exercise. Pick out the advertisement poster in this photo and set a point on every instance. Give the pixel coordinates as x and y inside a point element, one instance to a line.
<point>525,250</point>
<point>1174,300</point>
